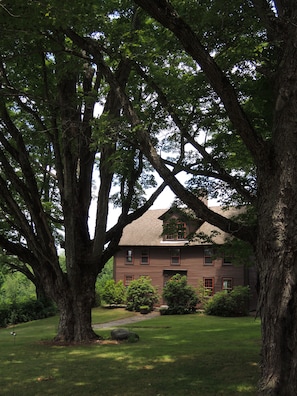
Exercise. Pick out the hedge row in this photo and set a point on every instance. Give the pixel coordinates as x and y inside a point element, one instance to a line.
<point>25,312</point>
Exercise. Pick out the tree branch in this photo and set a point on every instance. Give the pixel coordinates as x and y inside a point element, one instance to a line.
<point>200,209</point>
<point>267,16</point>
<point>164,13</point>
<point>220,171</point>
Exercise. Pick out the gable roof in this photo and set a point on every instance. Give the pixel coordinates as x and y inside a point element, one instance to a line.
<point>147,230</point>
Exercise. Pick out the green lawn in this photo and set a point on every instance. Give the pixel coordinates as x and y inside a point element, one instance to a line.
<point>176,356</point>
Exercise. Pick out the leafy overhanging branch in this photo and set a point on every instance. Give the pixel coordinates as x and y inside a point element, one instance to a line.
<point>163,12</point>
<point>219,171</point>
<point>201,210</point>
<point>16,249</point>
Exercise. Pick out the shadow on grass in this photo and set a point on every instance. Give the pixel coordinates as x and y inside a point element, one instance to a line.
<point>175,356</point>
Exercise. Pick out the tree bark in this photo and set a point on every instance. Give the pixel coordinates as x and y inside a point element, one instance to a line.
<point>277,237</point>
<point>277,261</point>
<point>74,298</point>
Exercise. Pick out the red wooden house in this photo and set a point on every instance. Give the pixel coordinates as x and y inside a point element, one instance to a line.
<point>158,245</point>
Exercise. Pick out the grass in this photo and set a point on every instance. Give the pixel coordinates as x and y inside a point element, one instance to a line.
<point>176,355</point>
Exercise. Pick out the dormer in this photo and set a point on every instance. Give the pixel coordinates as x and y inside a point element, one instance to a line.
<point>178,224</point>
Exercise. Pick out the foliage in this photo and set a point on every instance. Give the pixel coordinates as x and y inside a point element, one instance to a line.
<point>18,301</point>
<point>105,275</point>
<point>180,297</point>
<point>5,316</point>
<point>16,288</point>
<point>25,311</point>
<point>113,293</point>
<point>234,303</point>
<point>203,293</point>
<point>141,292</point>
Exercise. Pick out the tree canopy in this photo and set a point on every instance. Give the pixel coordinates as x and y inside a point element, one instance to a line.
<point>205,88</point>
<point>60,127</point>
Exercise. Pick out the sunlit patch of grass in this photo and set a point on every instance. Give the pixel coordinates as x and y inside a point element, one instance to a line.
<point>176,355</point>
<point>244,388</point>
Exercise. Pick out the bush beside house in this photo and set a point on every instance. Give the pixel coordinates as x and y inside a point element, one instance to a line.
<point>234,303</point>
<point>113,293</point>
<point>141,293</point>
<point>180,297</point>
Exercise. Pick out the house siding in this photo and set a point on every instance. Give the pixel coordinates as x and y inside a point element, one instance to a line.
<point>146,234</point>
<point>191,264</point>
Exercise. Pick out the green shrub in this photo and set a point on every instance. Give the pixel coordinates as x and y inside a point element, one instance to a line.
<point>25,312</point>
<point>105,275</point>
<point>16,288</point>
<point>32,310</point>
<point>235,303</point>
<point>114,293</point>
<point>204,294</point>
<point>4,315</point>
<point>180,297</point>
<point>141,292</point>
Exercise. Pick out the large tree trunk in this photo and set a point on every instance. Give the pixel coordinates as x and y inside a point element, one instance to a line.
<point>277,236</point>
<point>41,295</point>
<point>75,308</point>
<point>75,322</point>
<point>277,259</point>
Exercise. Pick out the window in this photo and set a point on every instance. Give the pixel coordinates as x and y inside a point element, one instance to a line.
<point>174,230</point>
<point>169,237</point>
<point>208,286</point>
<point>181,228</point>
<point>128,279</point>
<point>129,257</point>
<point>208,255</point>
<point>144,256</point>
<point>227,284</point>
<point>227,260</point>
<point>175,256</point>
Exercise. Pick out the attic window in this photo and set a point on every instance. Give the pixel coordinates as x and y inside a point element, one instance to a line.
<point>174,230</point>
<point>181,227</point>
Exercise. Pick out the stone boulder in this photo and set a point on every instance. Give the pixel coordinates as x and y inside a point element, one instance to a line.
<point>124,334</point>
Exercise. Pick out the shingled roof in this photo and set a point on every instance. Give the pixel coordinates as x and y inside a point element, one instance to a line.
<point>147,230</point>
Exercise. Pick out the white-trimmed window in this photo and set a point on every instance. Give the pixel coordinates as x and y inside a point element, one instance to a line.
<point>128,279</point>
<point>175,230</point>
<point>181,231</point>
<point>175,256</point>
<point>227,284</point>
<point>129,256</point>
<point>208,256</point>
<point>144,257</point>
<point>227,260</point>
<point>208,284</point>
